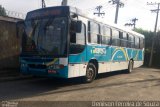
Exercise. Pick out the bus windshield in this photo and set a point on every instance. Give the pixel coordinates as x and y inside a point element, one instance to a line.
<point>46,36</point>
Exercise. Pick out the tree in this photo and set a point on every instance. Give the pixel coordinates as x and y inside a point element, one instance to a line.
<point>2,11</point>
<point>148,37</point>
<point>148,41</point>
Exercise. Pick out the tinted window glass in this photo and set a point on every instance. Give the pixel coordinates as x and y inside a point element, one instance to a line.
<point>80,37</point>
<point>46,36</point>
<point>124,41</point>
<point>93,32</point>
<point>77,41</point>
<point>137,42</point>
<point>115,37</point>
<point>131,41</point>
<point>106,34</point>
<point>94,28</point>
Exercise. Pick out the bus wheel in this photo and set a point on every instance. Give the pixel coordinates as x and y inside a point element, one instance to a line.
<point>130,67</point>
<point>90,73</point>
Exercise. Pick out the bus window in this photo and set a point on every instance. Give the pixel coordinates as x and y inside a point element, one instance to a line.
<point>115,37</point>
<point>80,37</point>
<point>77,41</point>
<point>93,32</point>
<point>106,34</point>
<point>124,40</point>
<point>141,43</point>
<point>137,42</point>
<point>131,41</point>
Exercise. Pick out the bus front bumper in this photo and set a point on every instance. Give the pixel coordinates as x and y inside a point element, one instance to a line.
<point>38,70</point>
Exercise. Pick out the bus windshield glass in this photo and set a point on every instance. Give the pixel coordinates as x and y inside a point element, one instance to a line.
<point>46,36</point>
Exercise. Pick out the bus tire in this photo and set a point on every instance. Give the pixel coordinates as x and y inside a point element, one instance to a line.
<point>130,67</point>
<point>90,73</point>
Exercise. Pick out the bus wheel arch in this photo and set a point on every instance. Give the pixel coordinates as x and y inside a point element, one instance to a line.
<point>95,62</point>
<point>91,71</point>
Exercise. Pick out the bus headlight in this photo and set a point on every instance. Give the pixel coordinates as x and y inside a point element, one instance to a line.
<point>23,65</point>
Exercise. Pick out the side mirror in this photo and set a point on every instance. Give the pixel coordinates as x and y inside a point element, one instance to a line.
<point>20,28</point>
<point>76,26</point>
<point>79,26</point>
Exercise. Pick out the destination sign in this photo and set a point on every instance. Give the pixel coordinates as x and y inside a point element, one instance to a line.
<point>52,11</point>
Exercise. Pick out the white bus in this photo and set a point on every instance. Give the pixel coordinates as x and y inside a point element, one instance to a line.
<point>63,42</point>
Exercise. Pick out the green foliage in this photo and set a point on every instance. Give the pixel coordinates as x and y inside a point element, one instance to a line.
<point>148,43</point>
<point>144,32</point>
<point>2,11</point>
<point>148,38</point>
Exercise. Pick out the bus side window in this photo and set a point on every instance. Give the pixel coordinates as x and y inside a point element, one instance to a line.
<point>77,41</point>
<point>93,32</point>
<point>121,37</point>
<point>131,41</point>
<point>106,35</point>
<point>137,44</point>
<point>124,38</point>
<point>115,37</point>
<point>80,37</point>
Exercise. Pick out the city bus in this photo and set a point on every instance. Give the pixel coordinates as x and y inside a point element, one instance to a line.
<point>64,42</point>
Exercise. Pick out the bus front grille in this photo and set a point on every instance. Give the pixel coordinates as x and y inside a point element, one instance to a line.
<point>37,66</point>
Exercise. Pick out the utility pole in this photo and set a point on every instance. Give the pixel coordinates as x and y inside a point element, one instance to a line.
<point>64,2</point>
<point>99,13</point>
<point>118,5</point>
<point>155,31</point>
<point>134,20</point>
<point>43,4</point>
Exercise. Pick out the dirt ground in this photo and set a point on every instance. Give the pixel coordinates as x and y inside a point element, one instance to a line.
<point>143,84</point>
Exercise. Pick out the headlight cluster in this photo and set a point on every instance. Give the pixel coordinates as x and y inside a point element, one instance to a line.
<point>23,65</point>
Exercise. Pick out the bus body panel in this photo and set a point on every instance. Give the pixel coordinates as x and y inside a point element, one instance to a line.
<point>77,64</point>
<point>102,54</point>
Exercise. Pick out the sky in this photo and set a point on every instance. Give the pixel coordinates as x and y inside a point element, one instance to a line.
<point>132,9</point>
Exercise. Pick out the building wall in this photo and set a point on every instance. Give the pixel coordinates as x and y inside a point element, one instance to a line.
<point>9,43</point>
